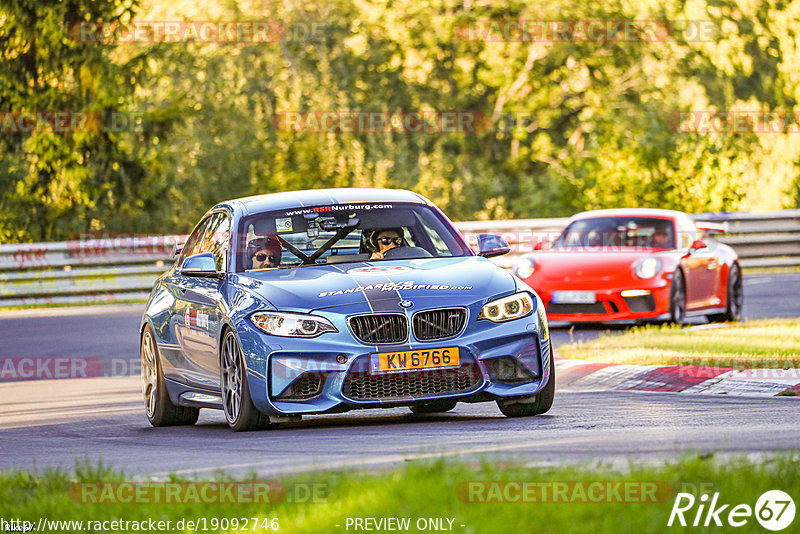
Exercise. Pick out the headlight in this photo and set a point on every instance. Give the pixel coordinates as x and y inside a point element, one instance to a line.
<point>541,318</point>
<point>507,308</point>
<point>525,268</point>
<point>291,324</point>
<point>648,268</point>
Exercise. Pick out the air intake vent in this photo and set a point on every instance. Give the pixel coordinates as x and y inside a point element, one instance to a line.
<point>380,328</point>
<point>439,324</point>
<point>306,386</point>
<point>414,384</point>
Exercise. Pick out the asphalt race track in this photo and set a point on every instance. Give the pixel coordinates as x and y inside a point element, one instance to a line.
<point>58,422</point>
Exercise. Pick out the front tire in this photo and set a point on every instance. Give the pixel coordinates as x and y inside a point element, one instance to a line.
<point>734,298</point>
<point>158,406</point>
<point>534,404</point>
<point>237,404</point>
<point>677,299</point>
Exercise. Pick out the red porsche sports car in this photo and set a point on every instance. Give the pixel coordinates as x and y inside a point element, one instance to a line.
<point>635,264</point>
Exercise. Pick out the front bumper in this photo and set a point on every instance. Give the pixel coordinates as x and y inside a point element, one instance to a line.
<point>331,373</point>
<point>645,300</point>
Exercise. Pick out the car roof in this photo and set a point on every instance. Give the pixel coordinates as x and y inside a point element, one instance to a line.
<point>322,197</point>
<point>629,212</point>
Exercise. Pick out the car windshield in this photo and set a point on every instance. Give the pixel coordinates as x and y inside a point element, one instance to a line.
<point>343,233</point>
<point>618,232</point>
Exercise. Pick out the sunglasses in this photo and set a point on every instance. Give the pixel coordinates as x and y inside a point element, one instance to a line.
<point>386,241</point>
<point>261,257</point>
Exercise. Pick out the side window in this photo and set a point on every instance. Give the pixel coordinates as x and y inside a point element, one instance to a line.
<point>192,245</point>
<point>216,239</point>
<point>688,233</point>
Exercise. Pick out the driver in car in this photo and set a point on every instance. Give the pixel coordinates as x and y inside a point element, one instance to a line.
<point>384,240</point>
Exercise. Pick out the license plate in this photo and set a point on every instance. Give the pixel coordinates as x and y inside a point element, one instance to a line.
<point>574,297</point>
<point>404,360</point>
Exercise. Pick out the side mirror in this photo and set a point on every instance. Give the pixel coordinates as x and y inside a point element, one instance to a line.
<point>202,265</point>
<point>697,245</point>
<point>542,245</point>
<point>490,245</point>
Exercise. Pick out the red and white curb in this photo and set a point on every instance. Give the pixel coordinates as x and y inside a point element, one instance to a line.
<point>582,375</point>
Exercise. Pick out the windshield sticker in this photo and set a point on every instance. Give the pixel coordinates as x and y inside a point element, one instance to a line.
<point>387,269</point>
<point>390,286</point>
<point>283,224</point>
<point>338,207</point>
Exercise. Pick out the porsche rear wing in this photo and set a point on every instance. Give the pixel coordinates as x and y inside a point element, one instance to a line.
<point>711,227</point>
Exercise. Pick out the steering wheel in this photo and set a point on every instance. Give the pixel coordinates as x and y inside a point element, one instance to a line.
<point>406,253</point>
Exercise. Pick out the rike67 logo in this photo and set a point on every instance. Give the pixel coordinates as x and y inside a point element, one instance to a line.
<point>774,510</point>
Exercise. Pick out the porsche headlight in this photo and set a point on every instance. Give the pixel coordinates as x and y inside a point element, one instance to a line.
<point>525,267</point>
<point>292,324</point>
<point>648,268</point>
<point>507,308</point>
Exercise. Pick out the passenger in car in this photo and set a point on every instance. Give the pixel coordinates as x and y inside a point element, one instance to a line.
<point>264,252</point>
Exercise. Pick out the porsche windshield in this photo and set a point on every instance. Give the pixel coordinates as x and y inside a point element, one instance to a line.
<point>617,232</point>
<point>343,233</point>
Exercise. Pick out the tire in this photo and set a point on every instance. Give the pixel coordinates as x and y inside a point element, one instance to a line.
<point>240,413</point>
<point>734,298</point>
<point>433,406</point>
<point>677,299</point>
<point>534,404</point>
<point>158,406</point>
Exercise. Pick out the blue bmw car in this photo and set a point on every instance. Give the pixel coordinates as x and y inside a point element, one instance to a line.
<point>324,301</point>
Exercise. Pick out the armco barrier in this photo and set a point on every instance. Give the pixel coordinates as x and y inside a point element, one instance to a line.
<point>122,268</point>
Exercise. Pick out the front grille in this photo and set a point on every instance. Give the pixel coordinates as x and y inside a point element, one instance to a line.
<point>415,384</point>
<point>380,328</point>
<point>643,303</point>
<point>306,386</point>
<point>439,324</point>
<point>588,309</point>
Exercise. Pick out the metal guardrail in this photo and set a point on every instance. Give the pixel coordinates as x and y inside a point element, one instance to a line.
<point>124,268</point>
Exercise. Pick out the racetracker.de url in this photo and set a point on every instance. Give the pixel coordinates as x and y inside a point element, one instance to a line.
<point>198,524</point>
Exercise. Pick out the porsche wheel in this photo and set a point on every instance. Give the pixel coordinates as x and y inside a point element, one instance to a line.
<point>239,410</point>
<point>533,405</point>
<point>158,406</point>
<point>433,406</point>
<point>677,299</point>
<point>734,299</point>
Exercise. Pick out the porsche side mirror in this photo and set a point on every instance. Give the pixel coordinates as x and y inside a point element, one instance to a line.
<point>697,245</point>
<point>177,249</point>
<point>201,265</point>
<point>490,245</point>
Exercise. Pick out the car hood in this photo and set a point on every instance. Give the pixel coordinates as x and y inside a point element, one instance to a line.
<point>381,285</point>
<point>587,265</point>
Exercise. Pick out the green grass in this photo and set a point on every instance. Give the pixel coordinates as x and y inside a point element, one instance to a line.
<point>426,490</point>
<point>762,344</point>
